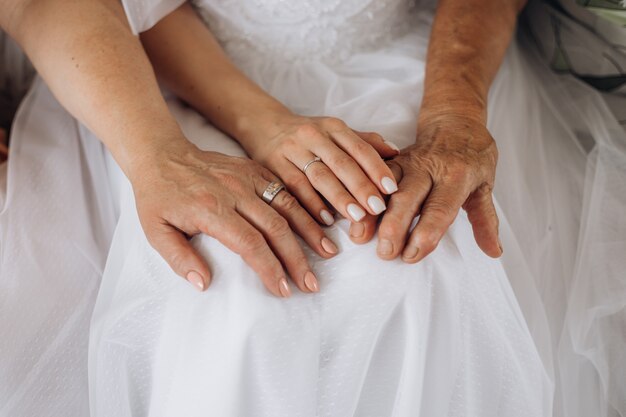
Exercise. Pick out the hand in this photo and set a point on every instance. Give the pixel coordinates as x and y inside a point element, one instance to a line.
<point>452,165</point>
<point>183,191</point>
<point>352,174</point>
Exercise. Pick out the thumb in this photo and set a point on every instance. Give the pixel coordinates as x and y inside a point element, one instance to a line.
<point>385,148</point>
<point>176,250</point>
<point>482,215</point>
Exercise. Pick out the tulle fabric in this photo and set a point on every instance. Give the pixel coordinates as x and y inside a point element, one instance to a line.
<point>56,224</point>
<point>445,337</point>
<point>561,184</point>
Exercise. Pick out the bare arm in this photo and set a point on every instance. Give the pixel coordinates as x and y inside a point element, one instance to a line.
<point>98,70</point>
<point>352,176</point>
<point>452,164</point>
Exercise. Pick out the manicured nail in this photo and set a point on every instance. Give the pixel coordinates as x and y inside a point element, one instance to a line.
<point>357,229</point>
<point>311,282</point>
<point>410,252</point>
<point>385,247</point>
<point>356,212</point>
<point>329,246</point>
<point>196,279</point>
<point>389,185</point>
<point>392,145</point>
<point>376,204</point>
<point>283,287</point>
<point>327,217</point>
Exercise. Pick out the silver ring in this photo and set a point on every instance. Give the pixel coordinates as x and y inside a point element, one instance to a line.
<point>271,190</point>
<point>312,161</point>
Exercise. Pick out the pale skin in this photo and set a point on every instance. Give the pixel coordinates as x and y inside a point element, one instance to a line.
<point>451,165</point>
<point>179,189</point>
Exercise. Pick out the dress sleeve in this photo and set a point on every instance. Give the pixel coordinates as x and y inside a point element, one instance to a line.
<point>143,14</point>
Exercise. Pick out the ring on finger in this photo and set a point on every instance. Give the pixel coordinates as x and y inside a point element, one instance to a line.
<point>271,191</point>
<point>311,162</point>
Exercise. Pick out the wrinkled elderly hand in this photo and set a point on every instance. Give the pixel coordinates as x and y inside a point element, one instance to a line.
<point>451,165</point>
<point>350,173</point>
<point>183,191</point>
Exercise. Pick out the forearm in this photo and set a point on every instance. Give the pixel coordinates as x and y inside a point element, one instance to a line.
<point>188,60</point>
<point>467,45</point>
<point>97,69</point>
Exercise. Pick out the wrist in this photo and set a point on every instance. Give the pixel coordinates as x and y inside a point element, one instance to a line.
<point>454,96</point>
<point>257,128</point>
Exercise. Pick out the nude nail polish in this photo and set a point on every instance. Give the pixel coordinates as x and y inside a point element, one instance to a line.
<point>376,204</point>
<point>410,252</point>
<point>356,212</point>
<point>327,217</point>
<point>329,246</point>
<point>389,185</point>
<point>283,287</point>
<point>357,230</point>
<point>311,282</point>
<point>196,280</point>
<point>385,247</point>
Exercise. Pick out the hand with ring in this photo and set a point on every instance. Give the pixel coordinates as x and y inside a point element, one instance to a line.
<point>182,191</point>
<point>323,155</point>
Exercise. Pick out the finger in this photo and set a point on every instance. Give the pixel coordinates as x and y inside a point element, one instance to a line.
<point>174,247</point>
<point>482,215</point>
<point>299,185</point>
<point>282,240</point>
<point>402,208</point>
<point>304,225</point>
<point>328,185</point>
<point>238,235</point>
<point>363,231</point>
<point>437,214</point>
<point>368,159</point>
<point>349,174</point>
<point>385,148</point>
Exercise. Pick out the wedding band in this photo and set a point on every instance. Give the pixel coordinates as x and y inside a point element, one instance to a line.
<point>312,161</point>
<point>270,192</point>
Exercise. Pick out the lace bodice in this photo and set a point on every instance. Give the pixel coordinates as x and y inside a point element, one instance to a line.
<point>327,30</point>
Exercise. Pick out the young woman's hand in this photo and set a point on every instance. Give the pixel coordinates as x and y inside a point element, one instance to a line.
<point>322,157</point>
<point>183,191</point>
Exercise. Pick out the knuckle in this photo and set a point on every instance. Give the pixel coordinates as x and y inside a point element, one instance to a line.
<point>333,124</point>
<point>307,130</point>
<point>341,161</point>
<point>317,173</point>
<point>251,242</point>
<point>360,147</point>
<point>288,202</point>
<point>277,226</point>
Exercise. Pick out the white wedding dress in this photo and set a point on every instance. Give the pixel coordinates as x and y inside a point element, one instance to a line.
<point>445,337</point>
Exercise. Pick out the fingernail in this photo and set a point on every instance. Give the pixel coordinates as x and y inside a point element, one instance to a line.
<point>392,145</point>
<point>327,217</point>
<point>376,204</point>
<point>196,279</point>
<point>500,245</point>
<point>385,247</point>
<point>311,282</point>
<point>410,252</point>
<point>356,212</point>
<point>329,246</point>
<point>389,185</point>
<point>357,229</point>
<point>283,287</point>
